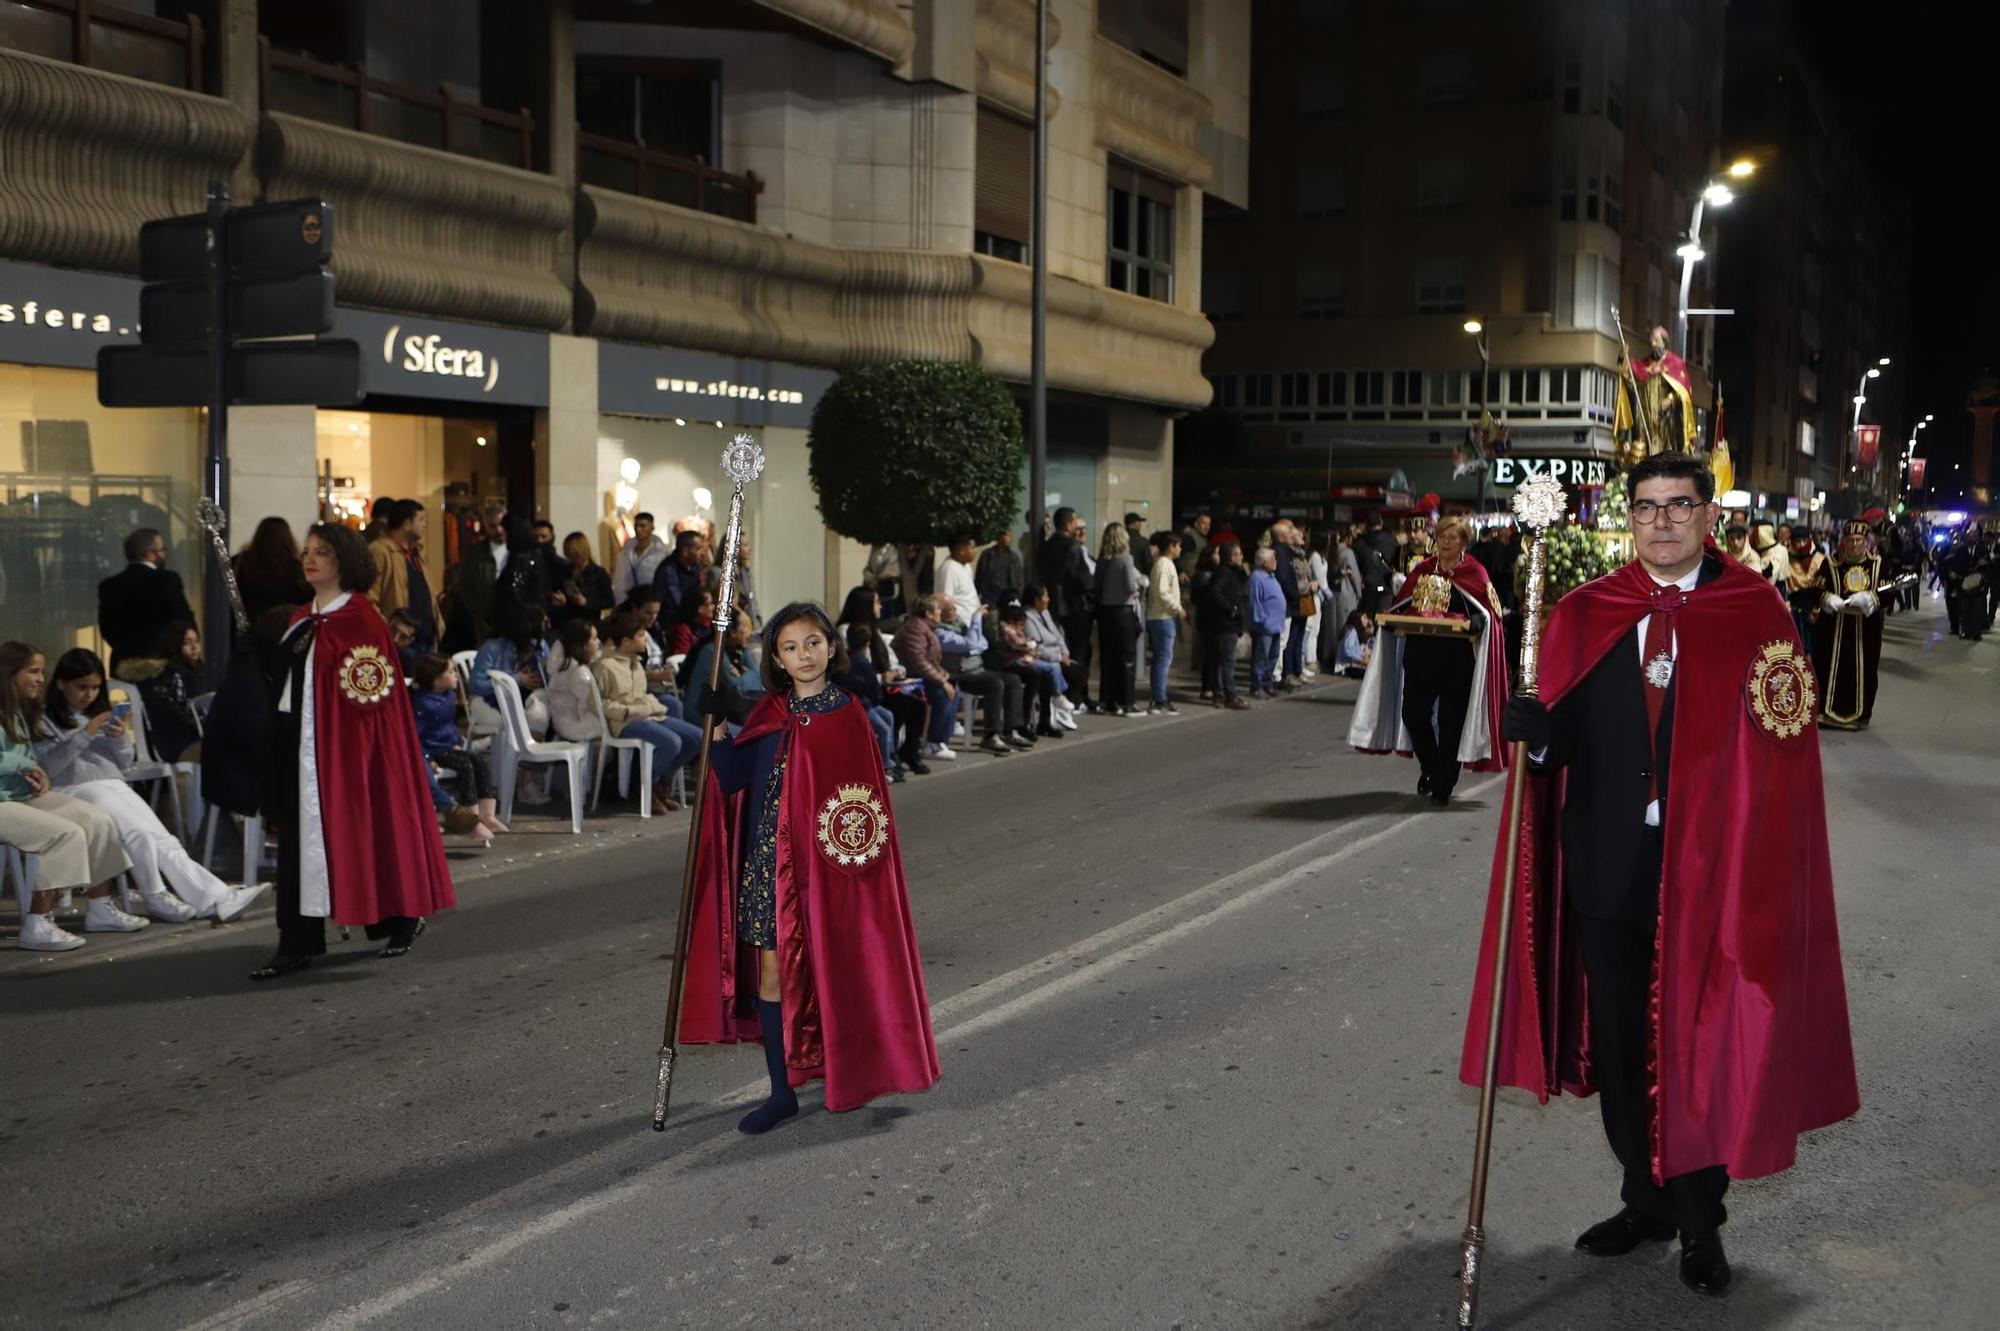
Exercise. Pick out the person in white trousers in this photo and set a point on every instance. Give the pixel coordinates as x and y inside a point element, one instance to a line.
<point>85,747</point>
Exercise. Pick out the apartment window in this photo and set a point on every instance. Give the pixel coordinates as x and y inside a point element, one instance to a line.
<point>1808,443</point>
<point>1222,295</point>
<point>1614,101</point>
<point>668,105</point>
<point>1566,384</point>
<point>1322,292</point>
<point>1257,390</point>
<point>1322,193</point>
<point>1524,387</point>
<point>1294,390</point>
<point>1315,10</point>
<point>1333,388</point>
<point>1440,287</point>
<point>1572,86</point>
<point>1592,197</point>
<point>1225,390</point>
<point>1447,81</point>
<point>1322,92</point>
<point>1003,171</point>
<point>1445,388</point>
<point>1567,198</point>
<point>1140,255</point>
<point>1614,203</point>
<point>1367,388</point>
<point>1441,185</point>
<point>1406,388</point>
<point>1153,30</point>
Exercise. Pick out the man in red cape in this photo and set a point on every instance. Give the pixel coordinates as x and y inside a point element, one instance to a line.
<point>1674,946</point>
<point>1463,684</point>
<point>854,1008</point>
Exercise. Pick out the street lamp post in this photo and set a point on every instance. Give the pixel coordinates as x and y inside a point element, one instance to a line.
<point>1691,253</point>
<point>1478,332</point>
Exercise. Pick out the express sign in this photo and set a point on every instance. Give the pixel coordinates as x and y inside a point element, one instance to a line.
<point>1569,471</point>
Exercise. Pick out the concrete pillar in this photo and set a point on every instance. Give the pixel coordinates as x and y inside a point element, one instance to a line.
<point>273,469</point>
<point>566,485</point>
<point>236,51</point>
<point>560,108</point>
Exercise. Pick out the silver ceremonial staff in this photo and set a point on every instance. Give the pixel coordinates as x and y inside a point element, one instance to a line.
<point>1538,506</point>
<point>742,462</point>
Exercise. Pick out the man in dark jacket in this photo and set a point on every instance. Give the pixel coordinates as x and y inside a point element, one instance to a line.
<point>998,575</point>
<point>1222,613</point>
<point>679,574</point>
<point>1072,596</point>
<point>135,606</point>
<point>472,582</point>
<point>1376,549</point>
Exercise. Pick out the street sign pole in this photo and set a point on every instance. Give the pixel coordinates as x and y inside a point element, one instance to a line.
<point>215,596</point>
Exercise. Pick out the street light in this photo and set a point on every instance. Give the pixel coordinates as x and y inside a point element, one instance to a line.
<point>1713,194</point>
<point>1742,168</point>
<point>1477,331</point>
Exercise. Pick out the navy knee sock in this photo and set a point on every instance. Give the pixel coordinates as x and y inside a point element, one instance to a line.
<point>784,1103</point>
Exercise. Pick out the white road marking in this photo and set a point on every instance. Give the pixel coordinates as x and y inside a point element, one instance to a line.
<point>1050,977</point>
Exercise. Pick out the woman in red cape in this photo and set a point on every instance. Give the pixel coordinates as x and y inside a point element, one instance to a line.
<point>801,936</point>
<point>1431,696</point>
<point>1749,1043</point>
<point>357,840</point>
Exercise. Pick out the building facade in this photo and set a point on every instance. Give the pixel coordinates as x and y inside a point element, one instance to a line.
<point>1529,167</point>
<point>1818,268</point>
<point>582,242</point>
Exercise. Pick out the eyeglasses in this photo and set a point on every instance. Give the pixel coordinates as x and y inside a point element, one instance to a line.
<point>1679,511</point>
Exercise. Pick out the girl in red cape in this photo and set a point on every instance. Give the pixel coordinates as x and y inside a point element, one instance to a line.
<point>801,936</point>
<point>1431,695</point>
<point>357,840</point>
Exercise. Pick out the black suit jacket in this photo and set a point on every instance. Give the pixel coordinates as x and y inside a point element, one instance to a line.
<point>135,605</point>
<point>1598,733</point>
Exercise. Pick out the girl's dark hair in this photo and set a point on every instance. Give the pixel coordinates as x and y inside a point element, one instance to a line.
<point>14,658</point>
<point>775,678</point>
<point>1354,618</point>
<point>640,597</point>
<point>428,669</point>
<point>1015,613</point>
<point>272,557</point>
<point>172,636</point>
<point>575,634</point>
<point>859,636</point>
<point>76,663</point>
<point>1032,593</point>
<point>688,612</point>
<point>520,532</point>
<point>350,556</point>
<point>859,607</point>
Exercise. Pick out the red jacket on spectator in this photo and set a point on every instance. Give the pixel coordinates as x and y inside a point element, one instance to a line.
<point>916,645</point>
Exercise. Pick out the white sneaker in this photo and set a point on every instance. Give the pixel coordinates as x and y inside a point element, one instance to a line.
<point>943,752</point>
<point>1067,719</point>
<point>101,917</point>
<point>237,901</point>
<point>39,933</point>
<point>169,909</point>
<point>958,730</point>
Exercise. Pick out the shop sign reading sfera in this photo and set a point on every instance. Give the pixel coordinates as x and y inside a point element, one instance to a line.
<point>35,315</point>
<point>428,354</point>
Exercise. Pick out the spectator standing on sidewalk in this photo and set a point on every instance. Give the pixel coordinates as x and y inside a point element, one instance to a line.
<point>680,575</point>
<point>1267,624</point>
<point>956,581</point>
<point>638,559</point>
<point>267,570</point>
<point>1222,609</point>
<point>1164,613</point>
<point>473,581</point>
<point>400,581</point>
<point>1194,542</point>
<point>1120,592</point>
<point>999,578</point>
<point>135,604</point>
<point>1065,571</point>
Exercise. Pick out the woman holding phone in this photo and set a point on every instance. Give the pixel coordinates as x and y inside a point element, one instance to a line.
<point>83,738</point>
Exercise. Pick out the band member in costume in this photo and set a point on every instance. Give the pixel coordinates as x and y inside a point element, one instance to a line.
<point>349,796</point>
<point>1962,574</point>
<point>1773,560</point>
<point>1847,640</point>
<point>1675,780</point>
<point>802,936</point>
<point>1439,695</point>
<point>1805,574</point>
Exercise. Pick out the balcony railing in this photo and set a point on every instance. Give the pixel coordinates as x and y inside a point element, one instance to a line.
<point>100,36</point>
<point>633,168</point>
<point>347,95</point>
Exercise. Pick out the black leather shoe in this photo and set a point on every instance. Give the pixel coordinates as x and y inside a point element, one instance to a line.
<point>1704,1268</point>
<point>1622,1233</point>
<point>1423,783</point>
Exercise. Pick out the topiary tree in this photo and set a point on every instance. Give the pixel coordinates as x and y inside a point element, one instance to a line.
<point>917,452</point>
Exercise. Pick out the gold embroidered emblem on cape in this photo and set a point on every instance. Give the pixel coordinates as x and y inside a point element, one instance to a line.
<point>853,826</point>
<point>366,675</point>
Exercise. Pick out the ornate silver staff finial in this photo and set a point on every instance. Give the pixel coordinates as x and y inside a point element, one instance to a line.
<point>1539,503</point>
<point>742,459</point>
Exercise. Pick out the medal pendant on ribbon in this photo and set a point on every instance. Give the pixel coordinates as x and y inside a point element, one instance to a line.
<point>1660,671</point>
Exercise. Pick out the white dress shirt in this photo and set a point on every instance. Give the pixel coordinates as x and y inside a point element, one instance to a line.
<point>499,550</point>
<point>1686,584</point>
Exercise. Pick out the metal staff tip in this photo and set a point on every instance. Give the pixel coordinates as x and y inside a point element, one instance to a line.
<point>742,459</point>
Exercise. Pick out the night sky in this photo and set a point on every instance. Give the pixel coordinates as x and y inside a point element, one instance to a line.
<point>1917,89</point>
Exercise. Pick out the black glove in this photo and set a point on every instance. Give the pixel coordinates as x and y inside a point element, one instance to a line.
<point>1526,720</point>
<point>713,705</point>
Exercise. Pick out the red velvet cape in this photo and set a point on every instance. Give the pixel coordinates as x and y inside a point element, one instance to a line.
<point>856,1013</point>
<point>1470,577</point>
<point>1749,1044</point>
<point>384,855</point>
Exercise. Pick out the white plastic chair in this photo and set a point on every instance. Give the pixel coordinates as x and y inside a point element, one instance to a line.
<point>147,769</point>
<point>22,868</point>
<point>607,744</point>
<point>517,745</point>
<point>461,665</point>
<point>253,843</point>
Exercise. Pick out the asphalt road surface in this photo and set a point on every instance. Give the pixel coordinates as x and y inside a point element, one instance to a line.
<point>1198,984</point>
